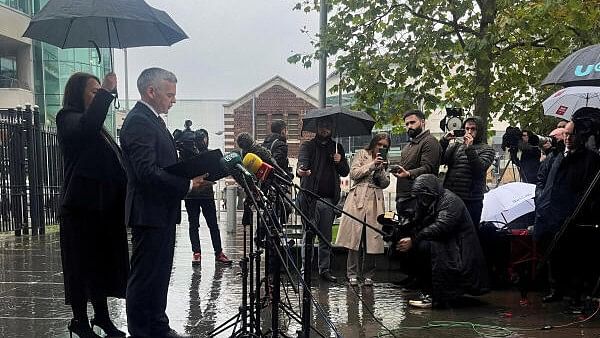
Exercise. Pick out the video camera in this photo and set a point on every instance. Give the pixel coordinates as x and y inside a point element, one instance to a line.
<point>396,226</point>
<point>511,138</point>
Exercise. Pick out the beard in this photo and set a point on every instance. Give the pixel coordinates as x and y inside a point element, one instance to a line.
<point>412,133</point>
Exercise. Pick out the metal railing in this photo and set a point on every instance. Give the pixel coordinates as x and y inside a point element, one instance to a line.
<point>31,172</point>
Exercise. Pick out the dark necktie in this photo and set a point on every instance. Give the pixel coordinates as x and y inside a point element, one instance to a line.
<point>162,122</point>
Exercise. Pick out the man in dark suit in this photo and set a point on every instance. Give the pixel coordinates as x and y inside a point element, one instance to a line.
<point>153,203</point>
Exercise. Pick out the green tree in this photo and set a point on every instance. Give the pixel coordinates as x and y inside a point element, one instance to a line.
<point>488,56</point>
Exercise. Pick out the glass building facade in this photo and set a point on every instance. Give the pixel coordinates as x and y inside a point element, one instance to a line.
<point>53,66</point>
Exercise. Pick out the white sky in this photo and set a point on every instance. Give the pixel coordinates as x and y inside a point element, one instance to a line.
<point>233,46</point>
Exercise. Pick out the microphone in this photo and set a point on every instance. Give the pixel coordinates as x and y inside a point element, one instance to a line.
<point>232,163</point>
<point>261,169</point>
<point>249,145</point>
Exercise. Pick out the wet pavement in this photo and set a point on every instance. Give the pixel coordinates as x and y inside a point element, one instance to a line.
<point>201,298</point>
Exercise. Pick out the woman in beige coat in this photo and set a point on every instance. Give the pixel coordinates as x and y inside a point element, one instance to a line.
<point>365,201</point>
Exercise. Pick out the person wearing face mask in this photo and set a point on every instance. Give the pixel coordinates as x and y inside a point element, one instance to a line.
<point>321,163</point>
<point>452,262</point>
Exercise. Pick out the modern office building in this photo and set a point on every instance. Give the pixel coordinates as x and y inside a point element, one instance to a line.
<point>36,72</point>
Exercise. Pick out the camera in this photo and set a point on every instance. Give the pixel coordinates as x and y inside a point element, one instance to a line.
<point>458,133</point>
<point>511,138</point>
<point>396,226</point>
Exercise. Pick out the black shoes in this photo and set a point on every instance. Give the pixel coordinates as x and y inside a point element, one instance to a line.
<point>81,328</point>
<point>327,276</point>
<point>107,326</point>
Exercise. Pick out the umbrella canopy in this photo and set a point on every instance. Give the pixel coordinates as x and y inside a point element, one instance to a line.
<point>346,122</point>
<point>103,23</point>
<point>567,101</point>
<point>582,68</point>
<point>508,202</point>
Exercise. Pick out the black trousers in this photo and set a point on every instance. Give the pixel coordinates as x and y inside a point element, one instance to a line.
<point>193,207</point>
<point>474,207</point>
<point>148,284</point>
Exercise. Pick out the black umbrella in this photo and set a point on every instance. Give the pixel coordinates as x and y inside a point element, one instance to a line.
<point>582,68</point>
<point>103,23</point>
<point>346,122</point>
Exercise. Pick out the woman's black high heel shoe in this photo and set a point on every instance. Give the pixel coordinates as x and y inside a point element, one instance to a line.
<point>108,327</point>
<point>81,329</point>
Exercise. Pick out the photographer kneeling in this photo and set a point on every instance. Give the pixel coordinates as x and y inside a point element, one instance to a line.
<point>446,238</point>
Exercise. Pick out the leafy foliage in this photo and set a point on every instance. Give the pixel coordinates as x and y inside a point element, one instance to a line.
<point>488,56</point>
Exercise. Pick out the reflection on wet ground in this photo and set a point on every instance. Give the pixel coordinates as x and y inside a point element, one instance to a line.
<point>203,297</point>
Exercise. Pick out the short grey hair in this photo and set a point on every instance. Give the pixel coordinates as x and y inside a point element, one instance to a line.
<point>152,77</point>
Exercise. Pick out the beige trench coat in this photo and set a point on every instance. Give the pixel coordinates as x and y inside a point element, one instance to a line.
<point>365,201</point>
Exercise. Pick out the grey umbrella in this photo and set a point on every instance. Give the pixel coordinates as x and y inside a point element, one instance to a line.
<point>582,68</point>
<point>346,122</point>
<point>103,23</point>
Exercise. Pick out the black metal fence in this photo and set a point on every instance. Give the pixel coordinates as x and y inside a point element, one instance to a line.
<point>31,172</point>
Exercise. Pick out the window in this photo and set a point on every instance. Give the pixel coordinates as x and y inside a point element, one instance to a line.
<point>8,72</point>
<point>293,126</point>
<point>262,129</point>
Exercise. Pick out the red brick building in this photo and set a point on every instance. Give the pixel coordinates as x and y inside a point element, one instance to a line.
<point>254,111</point>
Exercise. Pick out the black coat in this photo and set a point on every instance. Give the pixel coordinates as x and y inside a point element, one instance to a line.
<point>467,168</point>
<point>562,181</point>
<point>278,146</point>
<point>93,238</point>
<point>153,195</point>
<point>318,158</point>
<point>458,264</point>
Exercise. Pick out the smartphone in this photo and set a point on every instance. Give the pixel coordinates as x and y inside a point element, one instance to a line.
<point>383,152</point>
<point>459,133</point>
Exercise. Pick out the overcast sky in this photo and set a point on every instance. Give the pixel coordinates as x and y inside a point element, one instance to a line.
<point>233,46</point>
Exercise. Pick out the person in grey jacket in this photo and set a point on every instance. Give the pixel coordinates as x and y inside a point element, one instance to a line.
<point>468,162</point>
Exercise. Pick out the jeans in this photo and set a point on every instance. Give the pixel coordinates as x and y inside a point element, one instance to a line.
<point>193,207</point>
<point>323,220</point>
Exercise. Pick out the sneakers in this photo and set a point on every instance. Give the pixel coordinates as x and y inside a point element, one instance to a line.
<point>368,282</point>
<point>221,258</point>
<point>424,302</point>
<point>196,258</point>
<point>353,281</point>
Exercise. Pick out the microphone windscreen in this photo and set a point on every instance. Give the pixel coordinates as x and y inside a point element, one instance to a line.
<point>245,141</point>
<point>252,162</point>
<point>263,153</point>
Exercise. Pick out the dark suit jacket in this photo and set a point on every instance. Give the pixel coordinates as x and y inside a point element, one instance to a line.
<point>153,195</point>
<point>94,178</point>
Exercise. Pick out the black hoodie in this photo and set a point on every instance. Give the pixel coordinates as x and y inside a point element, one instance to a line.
<point>467,166</point>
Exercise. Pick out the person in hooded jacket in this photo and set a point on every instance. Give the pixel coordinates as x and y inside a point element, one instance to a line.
<point>468,162</point>
<point>446,239</point>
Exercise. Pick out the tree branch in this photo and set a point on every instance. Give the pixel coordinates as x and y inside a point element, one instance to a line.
<point>457,27</point>
<point>534,43</point>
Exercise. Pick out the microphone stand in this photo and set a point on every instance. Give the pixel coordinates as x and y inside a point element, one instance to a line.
<point>310,232</point>
<point>242,315</point>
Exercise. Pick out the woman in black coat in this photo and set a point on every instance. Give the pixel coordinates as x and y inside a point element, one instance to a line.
<point>93,237</point>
